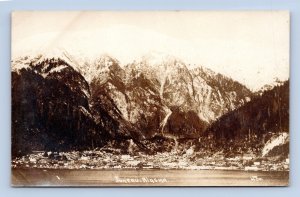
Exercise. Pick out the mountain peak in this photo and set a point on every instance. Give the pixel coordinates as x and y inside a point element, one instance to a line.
<point>42,55</point>
<point>270,86</point>
<point>160,66</point>
<point>104,61</point>
<point>200,70</point>
<point>155,58</point>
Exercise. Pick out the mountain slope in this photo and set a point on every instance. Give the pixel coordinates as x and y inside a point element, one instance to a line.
<point>255,122</point>
<point>199,94</point>
<point>79,103</point>
<point>216,94</point>
<point>50,108</point>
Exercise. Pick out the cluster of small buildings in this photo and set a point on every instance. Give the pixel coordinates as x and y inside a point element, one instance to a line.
<point>166,160</point>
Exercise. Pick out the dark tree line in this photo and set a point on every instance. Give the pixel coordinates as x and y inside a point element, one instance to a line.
<point>52,113</point>
<point>266,113</point>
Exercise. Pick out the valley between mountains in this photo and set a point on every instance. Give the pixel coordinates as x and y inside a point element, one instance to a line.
<point>156,112</point>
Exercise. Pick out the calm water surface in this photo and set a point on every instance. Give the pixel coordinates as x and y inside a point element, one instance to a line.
<point>54,177</point>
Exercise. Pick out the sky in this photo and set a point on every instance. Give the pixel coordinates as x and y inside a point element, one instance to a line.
<point>251,47</point>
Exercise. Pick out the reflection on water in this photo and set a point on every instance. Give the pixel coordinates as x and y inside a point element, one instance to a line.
<point>54,177</point>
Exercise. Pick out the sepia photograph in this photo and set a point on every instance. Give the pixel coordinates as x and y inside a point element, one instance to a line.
<point>150,98</point>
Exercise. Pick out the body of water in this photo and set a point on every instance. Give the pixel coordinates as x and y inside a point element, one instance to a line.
<point>58,177</point>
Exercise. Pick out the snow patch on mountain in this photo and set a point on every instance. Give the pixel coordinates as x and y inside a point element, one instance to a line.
<point>273,142</point>
<point>165,120</point>
<point>267,87</point>
<point>23,62</point>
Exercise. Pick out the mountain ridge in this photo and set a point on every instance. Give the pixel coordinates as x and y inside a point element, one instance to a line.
<point>138,101</point>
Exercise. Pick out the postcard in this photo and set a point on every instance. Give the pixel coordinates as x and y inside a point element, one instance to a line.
<point>150,98</point>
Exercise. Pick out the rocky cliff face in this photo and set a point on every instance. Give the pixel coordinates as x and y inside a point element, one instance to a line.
<point>198,96</point>
<point>63,102</point>
<point>216,94</point>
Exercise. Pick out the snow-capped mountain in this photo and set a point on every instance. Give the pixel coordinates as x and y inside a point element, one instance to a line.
<point>201,90</point>
<point>156,94</point>
<point>53,108</point>
<point>267,87</point>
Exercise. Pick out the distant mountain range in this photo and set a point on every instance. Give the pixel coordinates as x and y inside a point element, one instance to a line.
<point>61,102</point>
